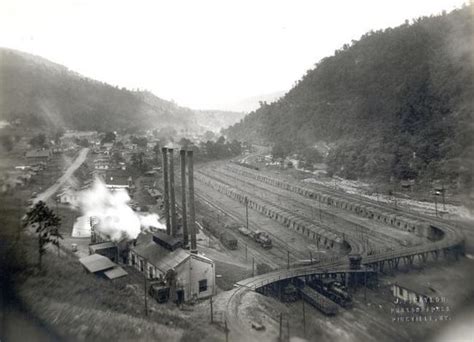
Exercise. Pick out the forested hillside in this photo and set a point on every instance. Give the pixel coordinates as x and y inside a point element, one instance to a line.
<point>43,94</point>
<point>397,104</point>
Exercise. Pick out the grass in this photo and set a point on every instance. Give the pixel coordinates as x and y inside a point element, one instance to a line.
<point>78,305</point>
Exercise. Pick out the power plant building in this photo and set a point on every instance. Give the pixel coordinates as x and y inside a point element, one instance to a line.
<point>155,254</point>
<point>171,258</point>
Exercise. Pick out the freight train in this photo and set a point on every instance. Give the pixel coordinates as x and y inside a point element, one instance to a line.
<point>218,231</point>
<point>333,290</point>
<point>262,238</point>
<point>247,165</point>
<point>320,302</point>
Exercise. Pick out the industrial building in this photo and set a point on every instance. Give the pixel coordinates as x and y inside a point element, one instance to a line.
<point>168,258</point>
<point>158,253</point>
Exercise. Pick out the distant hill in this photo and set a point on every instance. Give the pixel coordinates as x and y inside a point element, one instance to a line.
<point>249,104</point>
<point>396,104</point>
<point>41,93</point>
<point>215,120</point>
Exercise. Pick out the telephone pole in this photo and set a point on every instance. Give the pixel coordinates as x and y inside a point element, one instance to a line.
<point>247,211</point>
<point>146,299</point>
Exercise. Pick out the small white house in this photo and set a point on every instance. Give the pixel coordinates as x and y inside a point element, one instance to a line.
<point>67,197</point>
<point>101,164</point>
<point>155,254</point>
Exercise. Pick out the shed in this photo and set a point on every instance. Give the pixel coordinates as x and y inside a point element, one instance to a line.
<point>116,272</point>
<point>107,249</point>
<point>97,263</point>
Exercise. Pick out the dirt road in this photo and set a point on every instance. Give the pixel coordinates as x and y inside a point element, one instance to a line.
<point>45,195</point>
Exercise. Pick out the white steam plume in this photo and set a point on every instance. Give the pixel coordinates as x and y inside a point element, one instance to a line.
<point>112,214</point>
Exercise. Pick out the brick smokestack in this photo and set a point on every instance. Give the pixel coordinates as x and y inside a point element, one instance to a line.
<point>192,214</point>
<point>172,194</point>
<point>164,152</point>
<point>182,154</point>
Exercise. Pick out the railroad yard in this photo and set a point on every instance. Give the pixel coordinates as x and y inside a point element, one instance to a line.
<point>313,231</point>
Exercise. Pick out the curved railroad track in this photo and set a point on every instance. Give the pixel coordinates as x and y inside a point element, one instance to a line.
<point>450,238</point>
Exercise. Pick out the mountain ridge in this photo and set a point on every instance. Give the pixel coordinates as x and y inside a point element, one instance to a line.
<point>46,94</point>
<point>396,104</point>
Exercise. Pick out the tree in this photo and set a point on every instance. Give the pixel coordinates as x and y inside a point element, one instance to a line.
<point>47,225</point>
<point>38,140</point>
<point>57,135</point>
<point>209,135</point>
<point>138,161</point>
<point>82,142</point>
<point>185,143</point>
<point>108,138</point>
<point>140,142</point>
<point>7,142</point>
<point>117,157</point>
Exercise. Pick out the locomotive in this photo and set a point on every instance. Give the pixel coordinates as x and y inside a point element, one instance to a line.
<point>332,289</point>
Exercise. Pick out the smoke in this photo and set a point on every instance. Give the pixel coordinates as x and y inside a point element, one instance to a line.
<point>148,221</point>
<point>111,213</point>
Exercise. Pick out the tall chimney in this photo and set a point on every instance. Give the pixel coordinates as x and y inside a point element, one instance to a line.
<point>192,214</point>
<point>182,154</point>
<point>164,151</point>
<point>172,197</point>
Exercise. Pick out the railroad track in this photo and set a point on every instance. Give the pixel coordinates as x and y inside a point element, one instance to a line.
<point>451,238</point>
<point>295,186</point>
<point>279,250</point>
<point>381,239</point>
<point>356,245</point>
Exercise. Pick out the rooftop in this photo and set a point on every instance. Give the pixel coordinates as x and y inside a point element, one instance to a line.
<point>159,256</point>
<point>103,245</point>
<point>117,177</point>
<point>116,272</point>
<point>38,154</point>
<point>96,263</point>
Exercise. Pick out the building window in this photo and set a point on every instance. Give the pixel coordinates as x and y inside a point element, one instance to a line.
<point>203,285</point>
<point>133,259</point>
<point>141,265</point>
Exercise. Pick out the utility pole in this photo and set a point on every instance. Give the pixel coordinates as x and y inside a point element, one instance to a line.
<point>280,337</point>
<point>304,320</point>
<point>311,257</point>
<point>226,330</point>
<point>365,286</point>
<point>320,214</point>
<point>443,190</point>
<point>146,302</point>
<point>247,211</point>
<point>436,205</point>
<point>288,329</point>
<point>212,312</point>
<point>245,252</point>
<point>253,267</point>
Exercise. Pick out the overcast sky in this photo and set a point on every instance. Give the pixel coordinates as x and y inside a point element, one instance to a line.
<point>200,53</point>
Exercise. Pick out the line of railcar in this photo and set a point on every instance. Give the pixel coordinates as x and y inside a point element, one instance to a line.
<point>332,289</point>
<point>320,302</point>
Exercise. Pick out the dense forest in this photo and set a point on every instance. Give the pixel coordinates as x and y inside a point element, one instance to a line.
<point>396,104</point>
<point>40,93</point>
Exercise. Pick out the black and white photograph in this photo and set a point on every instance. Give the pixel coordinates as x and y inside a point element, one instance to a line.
<point>237,170</point>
